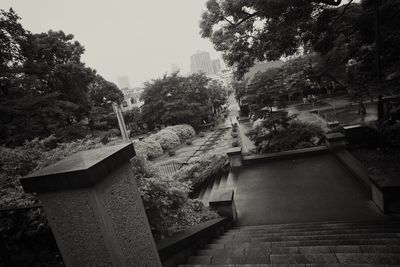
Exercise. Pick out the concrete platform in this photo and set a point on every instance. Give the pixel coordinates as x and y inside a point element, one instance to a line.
<point>310,189</point>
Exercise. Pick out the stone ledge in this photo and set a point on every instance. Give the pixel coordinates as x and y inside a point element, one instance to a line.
<point>335,137</point>
<point>223,202</point>
<point>386,192</point>
<point>80,170</point>
<point>234,151</point>
<point>354,166</point>
<point>177,248</point>
<point>291,154</point>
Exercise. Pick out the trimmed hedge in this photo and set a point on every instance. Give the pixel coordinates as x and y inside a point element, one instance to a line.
<point>167,138</point>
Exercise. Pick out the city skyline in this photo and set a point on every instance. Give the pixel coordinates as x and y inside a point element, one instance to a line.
<point>120,38</point>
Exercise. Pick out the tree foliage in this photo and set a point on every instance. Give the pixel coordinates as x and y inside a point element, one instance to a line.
<point>174,99</point>
<point>251,31</point>
<point>44,84</point>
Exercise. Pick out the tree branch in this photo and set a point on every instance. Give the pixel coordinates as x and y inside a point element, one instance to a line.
<point>344,11</point>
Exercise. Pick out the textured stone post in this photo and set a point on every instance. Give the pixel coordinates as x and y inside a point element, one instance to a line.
<point>235,157</point>
<point>95,209</point>
<point>335,141</point>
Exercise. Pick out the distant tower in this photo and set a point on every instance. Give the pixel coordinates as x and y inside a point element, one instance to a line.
<point>123,82</point>
<point>216,66</point>
<point>201,63</point>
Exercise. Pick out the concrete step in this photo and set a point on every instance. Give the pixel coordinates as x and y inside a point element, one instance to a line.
<point>301,250</point>
<point>317,225</point>
<point>277,238</point>
<point>239,235</point>
<point>201,193</point>
<point>214,189</point>
<point>337,242</point>
<point>223,180</point>
<point>332,258</point>
<point>206,195</point>
<point>232,179</point>
<point>286,265</point>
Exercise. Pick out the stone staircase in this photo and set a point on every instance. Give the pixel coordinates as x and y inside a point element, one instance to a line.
<point>327,243</point>
<point>225,182</point>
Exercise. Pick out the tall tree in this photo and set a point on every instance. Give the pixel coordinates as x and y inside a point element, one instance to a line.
<point>44,84</point>
<point>175,99</point>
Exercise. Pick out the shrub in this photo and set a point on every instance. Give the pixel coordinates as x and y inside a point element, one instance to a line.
<point>188,142</point>
<point>171,153</point>
<point>166,200</point>
<point>293,136</point>
<point>234,129</point>
<point>235,143</point>
<point>167,138</point>
<point>234,135</point>
<point>184,131</point>
<point>202,169</point>
<point>149,148</point>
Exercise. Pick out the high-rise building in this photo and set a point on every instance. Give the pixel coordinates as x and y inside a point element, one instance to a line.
<point>201,63</point>
<point>216,65</point>
<point>123,82</point>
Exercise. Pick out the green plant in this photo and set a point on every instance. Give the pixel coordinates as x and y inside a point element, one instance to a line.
<point>184,131</point>
<point>234,135</point>
<point>149,148</point>
<point>295,135</point>
<point>188,142</point>
<point>204,168</point>
<point>167,138</point>
<point>235,144</point>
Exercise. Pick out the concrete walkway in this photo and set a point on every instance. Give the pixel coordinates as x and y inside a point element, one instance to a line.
<point>310,189</point>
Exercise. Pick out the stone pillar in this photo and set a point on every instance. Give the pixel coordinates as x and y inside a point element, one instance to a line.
<point>235,157</point>
<point>223,202</point>
<point>335,141</point>
<point>95,210</point>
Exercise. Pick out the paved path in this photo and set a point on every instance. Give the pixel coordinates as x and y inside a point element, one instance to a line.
<point>310,189</point>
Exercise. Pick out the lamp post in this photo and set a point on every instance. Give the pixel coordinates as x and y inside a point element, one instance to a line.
<point>120,118</point>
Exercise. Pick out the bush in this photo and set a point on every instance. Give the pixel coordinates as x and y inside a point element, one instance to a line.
<point>167,138</point>
<point>166,200</point>
<point>294,136</point>
<point>234,129</point>
<point>235,144</point>
<point>188,142</point>
<point>234,135</point>
<point>171,153</point>
<point>184,131</point>
<point>149,148</point>
<point>202,169</point>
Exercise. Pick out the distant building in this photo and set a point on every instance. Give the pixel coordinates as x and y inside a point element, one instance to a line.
<point>131,95</point>
<point>201,63</point>
<point>216,64</point>
<point>123,82</point>
<point>131,98</point>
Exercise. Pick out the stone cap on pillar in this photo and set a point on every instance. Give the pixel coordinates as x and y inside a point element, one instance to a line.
<point>80,170</point>
<point>334,137</point>
<point>234,151</point>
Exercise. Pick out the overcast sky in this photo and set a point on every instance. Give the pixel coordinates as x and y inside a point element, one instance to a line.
<point>137,38</point>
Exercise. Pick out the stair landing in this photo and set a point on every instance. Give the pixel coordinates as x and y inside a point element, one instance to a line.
<point>309,189</point>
